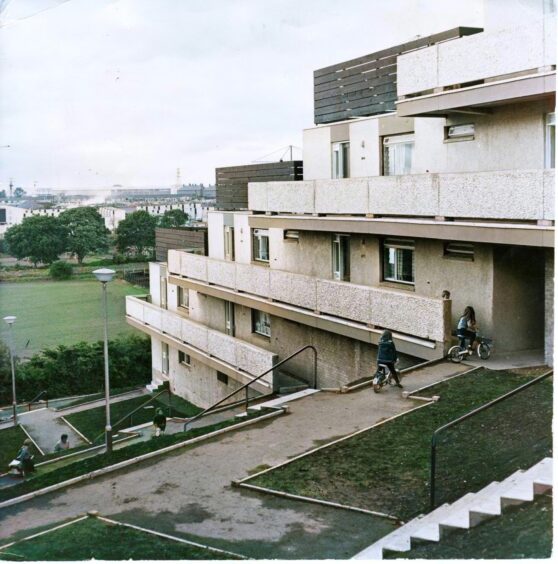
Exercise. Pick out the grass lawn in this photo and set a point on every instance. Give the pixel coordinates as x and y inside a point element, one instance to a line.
<point>523,531</point>
<point>387,468</point>
<point>94,538</point>
<point>92,421</point>
<point>63,313</point>
<point>43,477</point>
<point>11,440</point>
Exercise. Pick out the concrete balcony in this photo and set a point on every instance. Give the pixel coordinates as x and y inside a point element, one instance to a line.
<point>413,318</point>
<point>237,358</point>
<point>481,69</point>
<point>522,195</point>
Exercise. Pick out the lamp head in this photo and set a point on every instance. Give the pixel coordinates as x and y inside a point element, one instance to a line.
<point>104,274</point>
<point>10,319</point>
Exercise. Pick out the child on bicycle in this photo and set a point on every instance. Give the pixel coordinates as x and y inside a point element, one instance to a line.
<point>387,354</point>
<point>467,328</point>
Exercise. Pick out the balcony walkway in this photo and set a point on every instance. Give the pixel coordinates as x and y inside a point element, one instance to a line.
<point>189,494</point>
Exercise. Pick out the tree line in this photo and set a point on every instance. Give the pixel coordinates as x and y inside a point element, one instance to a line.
<point>81,231</point>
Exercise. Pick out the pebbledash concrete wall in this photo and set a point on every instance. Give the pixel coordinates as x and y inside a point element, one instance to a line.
<point>549,308</point>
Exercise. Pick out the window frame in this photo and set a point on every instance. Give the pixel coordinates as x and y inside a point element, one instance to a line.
<point>450,137</point>
<point>255,323</point>
<point>398,245</point>
<point>223,378</point>
<point>230,326</point>
<point>258,235</point>
<point>341,257</point>
<point>165,361</point>
<point>340,160</point>
<point>184,358</point>
<point>395,141</point>
<point>181,292</point>
<point>550,140</point>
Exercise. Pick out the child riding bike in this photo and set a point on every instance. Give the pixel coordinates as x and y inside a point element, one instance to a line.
<point>467,328</point>
<point>387,355</point>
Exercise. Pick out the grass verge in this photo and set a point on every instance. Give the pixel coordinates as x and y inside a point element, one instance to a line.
<point>94,538</point>
<point>44,478</point>
<point>91,422</point>
<point>387,468</point>
<point>523,531</point>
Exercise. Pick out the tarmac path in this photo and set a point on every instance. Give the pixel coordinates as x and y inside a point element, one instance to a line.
<point>189,493</point>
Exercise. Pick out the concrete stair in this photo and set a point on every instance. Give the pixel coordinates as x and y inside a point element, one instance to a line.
<point>156,383</point>
<point>466,512</point>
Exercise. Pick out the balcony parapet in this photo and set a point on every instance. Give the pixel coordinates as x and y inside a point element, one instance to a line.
<point>526,195</point>
<point>237,353</point>
<point>478,57</point>
<point>403,312</point>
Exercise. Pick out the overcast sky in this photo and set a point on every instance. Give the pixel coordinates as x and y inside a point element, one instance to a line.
<point>101,92</point>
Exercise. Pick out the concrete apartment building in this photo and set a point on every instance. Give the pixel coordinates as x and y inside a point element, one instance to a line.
<point>430,168</point>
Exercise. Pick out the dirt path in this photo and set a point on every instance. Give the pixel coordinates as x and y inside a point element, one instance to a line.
<point>189,493</point>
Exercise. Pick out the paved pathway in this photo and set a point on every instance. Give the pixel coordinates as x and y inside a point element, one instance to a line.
<point>189,493</point>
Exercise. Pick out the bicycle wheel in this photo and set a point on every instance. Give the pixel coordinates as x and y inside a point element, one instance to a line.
<point>483,350</point>
<point>455,354</point>
<point>376,388</point>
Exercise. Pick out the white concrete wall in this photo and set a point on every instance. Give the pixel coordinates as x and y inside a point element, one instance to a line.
<point>156,272</point>
<point>476,57</point>
<point>316,152</point>
<point>365,148</point>
<point>242,239</point>
<point>215,234</point>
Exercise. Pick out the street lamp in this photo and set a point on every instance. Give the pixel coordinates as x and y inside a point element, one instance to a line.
<point>105,275</point>
<point>10,320</point>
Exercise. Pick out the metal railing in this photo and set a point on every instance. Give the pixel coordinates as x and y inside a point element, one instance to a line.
<point>459,420</point>
<point>246,386</point>
<point>131,414</point>
<point>36,399</point>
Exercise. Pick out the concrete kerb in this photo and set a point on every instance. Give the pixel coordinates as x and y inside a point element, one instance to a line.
<point>170,537</point>
<point>32,440</point>
<point>135,460</point>
<point>66,422</point>
<point>414,392</point>
<point>240,483</point>
<point>317,501</point>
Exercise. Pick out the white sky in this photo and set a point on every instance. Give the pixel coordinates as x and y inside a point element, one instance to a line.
<point>101,92</point>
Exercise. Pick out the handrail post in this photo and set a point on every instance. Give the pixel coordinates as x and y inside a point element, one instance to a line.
<point>315,367</point>
<point>246,389</point>
<point>433,473</point>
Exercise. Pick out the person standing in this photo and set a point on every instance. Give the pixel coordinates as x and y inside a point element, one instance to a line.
<point>387,354</point>
<point>160,422</point>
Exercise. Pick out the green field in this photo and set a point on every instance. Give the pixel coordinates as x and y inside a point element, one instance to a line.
<point>93,538</point>
<point>62,313</point>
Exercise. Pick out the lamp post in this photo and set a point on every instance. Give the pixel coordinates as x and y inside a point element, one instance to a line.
<point>10,320</point>
<point>105,275</point>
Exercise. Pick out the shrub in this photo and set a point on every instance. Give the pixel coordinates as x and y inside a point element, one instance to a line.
<point>79,369</point>
<point>60,270</point>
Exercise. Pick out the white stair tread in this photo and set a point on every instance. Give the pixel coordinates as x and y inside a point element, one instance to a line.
<point>285,399</point>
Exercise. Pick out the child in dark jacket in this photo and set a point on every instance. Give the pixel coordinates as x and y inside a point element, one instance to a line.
<point>387,354</point>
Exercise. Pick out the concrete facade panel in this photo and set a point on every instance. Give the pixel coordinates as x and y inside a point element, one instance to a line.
<point>255,361</point>
<point>252,279</point>
<point>293,289</point>
<point>549,195</point>
<point>194,334</point>
<point>316,153</point>
<point>193,266</point>
<point>134,308</point>
<point>221,273</point>
<point>152,316</point>
<point>222,347</point>
<point>257,196</point>
<point>215,235</point>
<point>342,196</point>
<point>242,239</point>
<point>344,300</point>
<point>290,197</point>
<point>172,323</point>
<point>365,149</point>
<point>173,263</point>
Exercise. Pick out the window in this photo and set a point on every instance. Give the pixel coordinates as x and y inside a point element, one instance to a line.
<point>183,298</point>
<point>461,251</point>
<point>398,154</point>
<point>165,358</point>
<point>341,252</point>
<point>340,160</point>
<point>163,286</point>
<point>260,245</point>
<point>261,323</point>
<point>223,378</point>
<point>464,132</point>
<point>550,141</point>
<point>183,358</point>
<point>229,319</point>
<point>229,242</point>
<point>399,261</point>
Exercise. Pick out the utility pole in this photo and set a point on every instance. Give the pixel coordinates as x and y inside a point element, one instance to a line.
<point>11,187</point>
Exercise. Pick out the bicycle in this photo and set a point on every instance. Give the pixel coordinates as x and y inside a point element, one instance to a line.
<point>458,352</point>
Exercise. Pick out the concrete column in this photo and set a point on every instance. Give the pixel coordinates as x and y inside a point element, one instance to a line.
<point>549,307</point>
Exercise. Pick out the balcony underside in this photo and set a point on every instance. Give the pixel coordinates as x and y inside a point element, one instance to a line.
<point>421,348</point>
<point>480,232</point>
<point>479,99</point>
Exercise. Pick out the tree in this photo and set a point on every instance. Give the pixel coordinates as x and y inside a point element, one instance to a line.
<point>136,232</point>
<point>40,238</point>
<point>60,270</point>
<point>2,194</point>
<point>173,218</point>
<point>19,192</point>
<point>86,231</point>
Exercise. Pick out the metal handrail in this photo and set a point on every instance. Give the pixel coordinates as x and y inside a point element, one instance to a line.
<point>165,391</point>
<point>246,386</point>
<point>36,399</point>
<point>484,407</point>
